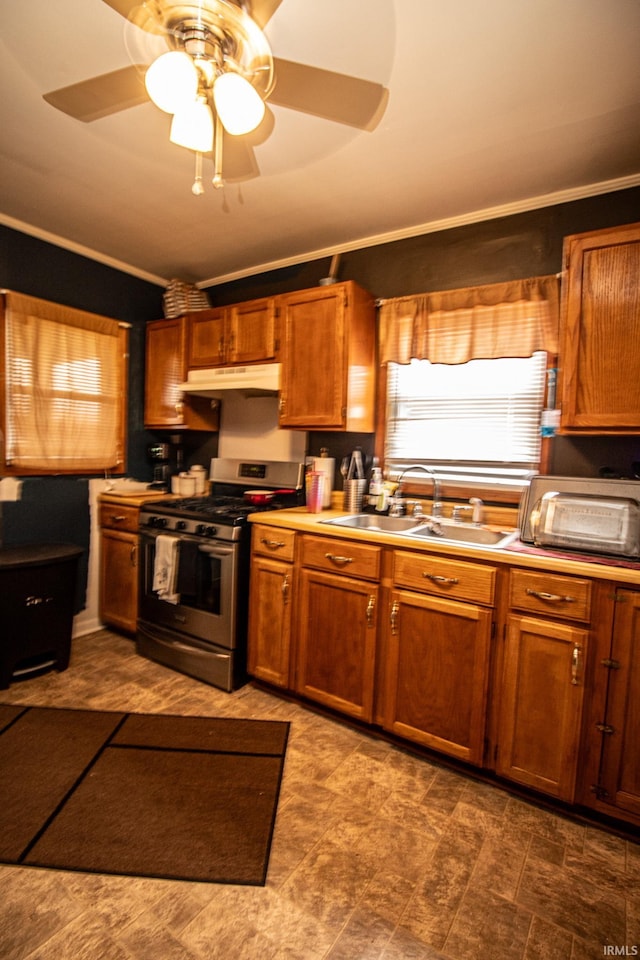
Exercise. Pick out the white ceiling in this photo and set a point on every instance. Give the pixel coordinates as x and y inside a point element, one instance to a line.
<point>493,107</point>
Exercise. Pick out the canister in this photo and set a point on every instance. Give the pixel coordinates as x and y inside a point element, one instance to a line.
<point>187,485</point>
<point>327,466</point>
<point>199,473</point>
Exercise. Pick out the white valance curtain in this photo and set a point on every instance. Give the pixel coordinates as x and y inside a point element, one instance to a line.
<point>512,319</point>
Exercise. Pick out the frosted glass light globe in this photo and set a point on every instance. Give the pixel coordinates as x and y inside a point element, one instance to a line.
<point>238,104</point>
<point>172,81</point>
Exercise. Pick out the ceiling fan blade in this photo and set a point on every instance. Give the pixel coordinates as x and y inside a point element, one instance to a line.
<point>238,159</point>
<point>123,7</point>
<point>333,96</point>
<point>102,95</point>
<point>262,10</point>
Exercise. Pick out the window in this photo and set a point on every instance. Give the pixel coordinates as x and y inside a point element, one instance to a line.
<point>65,393</point>
<point>466,377</point>
<point>473,423</point>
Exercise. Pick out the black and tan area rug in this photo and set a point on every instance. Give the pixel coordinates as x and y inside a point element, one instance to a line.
<point>180,798</point>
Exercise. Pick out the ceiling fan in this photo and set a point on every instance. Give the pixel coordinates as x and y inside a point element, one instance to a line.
<point>218,49</point>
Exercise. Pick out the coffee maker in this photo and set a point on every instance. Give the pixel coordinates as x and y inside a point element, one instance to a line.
<point>167,459</point>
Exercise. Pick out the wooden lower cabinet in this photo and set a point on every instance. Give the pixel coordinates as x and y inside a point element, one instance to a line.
<point>543,682</point>
<point>336,642</point>
<point>118,604</point>
<point>618,788</point>
<point>270,605</point>
<point>438,653</point>
<point>541,705</point>
<point>407,640</point>
<point>437,663</point>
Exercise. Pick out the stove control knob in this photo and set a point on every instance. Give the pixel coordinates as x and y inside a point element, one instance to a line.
<point>206,531</point>
<point>158,522</point>
<point>181,525</point>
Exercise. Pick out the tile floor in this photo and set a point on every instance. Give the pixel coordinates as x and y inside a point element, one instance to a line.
<point>377,855</point>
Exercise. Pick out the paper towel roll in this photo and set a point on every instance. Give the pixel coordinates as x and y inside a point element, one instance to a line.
<point>326,465</point>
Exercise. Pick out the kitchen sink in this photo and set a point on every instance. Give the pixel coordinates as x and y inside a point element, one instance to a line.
<point>438,531</point>
<point>464,533</point>
<point>370,521</point>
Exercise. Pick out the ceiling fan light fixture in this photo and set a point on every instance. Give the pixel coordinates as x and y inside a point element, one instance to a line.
<point>238,104</point>
<point>192,127</point>
<point>172,81</point>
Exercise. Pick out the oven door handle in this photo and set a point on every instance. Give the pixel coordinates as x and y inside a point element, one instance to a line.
<point>216,551</point>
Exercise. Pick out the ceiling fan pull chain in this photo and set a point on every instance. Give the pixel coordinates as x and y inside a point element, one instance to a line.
<point>217,181</point>
<point>198,188</point>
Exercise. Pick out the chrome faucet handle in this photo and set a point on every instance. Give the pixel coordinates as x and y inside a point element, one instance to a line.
<point>459,510</point>
<point>436,509</point>
<point>396,506</point>
<point>478,509</point>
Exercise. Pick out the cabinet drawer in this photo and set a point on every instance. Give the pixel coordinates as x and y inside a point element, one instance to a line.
<point>355,559</point>
<point>443,577</point>
<point>558,596</point>
<point>273,542</point>
<point>119,517</point>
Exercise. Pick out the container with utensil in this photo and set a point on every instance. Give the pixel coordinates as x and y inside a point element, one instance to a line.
<point>354,491</point>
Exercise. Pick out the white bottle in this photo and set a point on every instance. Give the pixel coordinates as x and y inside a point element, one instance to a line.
<point>375,486</point>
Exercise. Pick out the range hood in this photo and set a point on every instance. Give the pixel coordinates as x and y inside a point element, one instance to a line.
<point>253,380</point>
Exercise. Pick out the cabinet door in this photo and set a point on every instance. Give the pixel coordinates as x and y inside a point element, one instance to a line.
<point>164,371</point>
<point>270,620</point>
<point>119,579</point>
<point>251,332</point>
<point>314,374</point>
<point>541,709</point>
<point>620,771</point>
<point>438,667</point>
<point>336,636</point>
<point>599,362</point>
<point>206,346</point>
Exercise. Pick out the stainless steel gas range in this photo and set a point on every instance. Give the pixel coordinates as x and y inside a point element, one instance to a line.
<point>194,569</point>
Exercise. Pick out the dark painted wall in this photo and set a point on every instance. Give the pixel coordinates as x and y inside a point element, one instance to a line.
<point>522,245</point>
<point>56,508</point>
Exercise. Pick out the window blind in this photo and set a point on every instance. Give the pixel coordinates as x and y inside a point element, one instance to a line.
<point>471,422</point>
<point>65,403</point>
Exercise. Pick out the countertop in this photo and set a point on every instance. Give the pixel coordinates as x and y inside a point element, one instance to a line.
<point>134,499</point>
<point>298,518</point>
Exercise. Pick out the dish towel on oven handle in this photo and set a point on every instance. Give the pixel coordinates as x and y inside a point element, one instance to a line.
<point>165,568</point>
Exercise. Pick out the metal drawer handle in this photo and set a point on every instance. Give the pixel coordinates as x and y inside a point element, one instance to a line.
<point>276,544</point>
<point>285,588</point>
<point>437,579</point>
<point>36,601</point>
<point>338,559</point>
<point>116,519</point>
<point>550,597</point>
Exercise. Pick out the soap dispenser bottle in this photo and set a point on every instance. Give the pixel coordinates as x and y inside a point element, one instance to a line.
<point>375,486</point>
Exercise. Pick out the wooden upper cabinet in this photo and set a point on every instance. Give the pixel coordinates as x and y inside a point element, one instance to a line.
<point>165,406</point>
<point>226,336</point>
<point>252,331</point>
<point>599,355</point>
<point>206,332</point>
<point>328,358</point>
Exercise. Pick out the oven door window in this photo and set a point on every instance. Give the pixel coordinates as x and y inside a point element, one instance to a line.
<point>205,576</point>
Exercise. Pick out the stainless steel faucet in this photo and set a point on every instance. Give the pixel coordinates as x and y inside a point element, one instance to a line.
<point>436,509</point>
